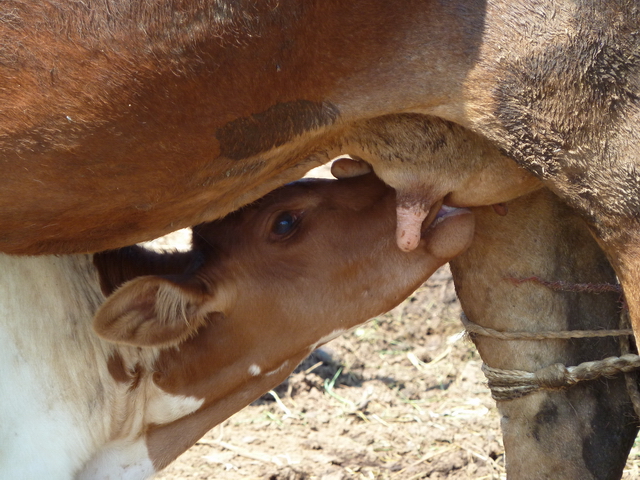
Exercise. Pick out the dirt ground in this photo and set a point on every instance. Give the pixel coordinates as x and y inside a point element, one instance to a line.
<point>401,397</point>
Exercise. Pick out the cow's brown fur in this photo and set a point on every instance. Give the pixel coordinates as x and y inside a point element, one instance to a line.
<point>121,124</point>
<point>199,100</point>
<point>586,431</point>
<point>125,120</point>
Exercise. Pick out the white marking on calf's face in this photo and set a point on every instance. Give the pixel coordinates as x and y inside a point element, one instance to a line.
<point>254,370</point>
<point>163,407</point>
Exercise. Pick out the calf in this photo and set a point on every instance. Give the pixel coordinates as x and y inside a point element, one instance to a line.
<point>187,339</point>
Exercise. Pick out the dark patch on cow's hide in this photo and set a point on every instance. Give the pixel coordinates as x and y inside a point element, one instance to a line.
<point>604,451</point>
<point>249,136</point>
<point>545,418</point>
<point>562,107</point>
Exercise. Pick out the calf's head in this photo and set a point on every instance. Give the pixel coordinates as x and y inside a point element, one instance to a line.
<point>261,289</point>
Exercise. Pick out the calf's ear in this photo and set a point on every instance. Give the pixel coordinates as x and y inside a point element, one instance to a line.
<point>152,311</point>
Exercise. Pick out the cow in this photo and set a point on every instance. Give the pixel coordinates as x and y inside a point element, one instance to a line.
<point>113,364</point>
<point>576,433</point>
<point>125,120</point>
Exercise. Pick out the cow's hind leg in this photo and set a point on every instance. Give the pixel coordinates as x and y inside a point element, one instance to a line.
<point>581,432</point>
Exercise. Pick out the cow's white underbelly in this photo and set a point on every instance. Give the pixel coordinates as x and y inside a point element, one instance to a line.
<point>40,435</point>
<point>62,414</point>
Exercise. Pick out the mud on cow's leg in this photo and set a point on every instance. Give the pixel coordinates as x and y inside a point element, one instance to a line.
<point>582,432</point>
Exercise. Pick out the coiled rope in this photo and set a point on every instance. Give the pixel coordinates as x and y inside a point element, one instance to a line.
<point>512,384</point>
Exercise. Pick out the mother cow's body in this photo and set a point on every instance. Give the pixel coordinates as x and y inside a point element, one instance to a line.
<point>124,120</point>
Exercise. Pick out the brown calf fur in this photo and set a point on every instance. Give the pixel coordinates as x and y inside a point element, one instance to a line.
<point>585,431</point>
<point>187,339</point>
<point>260,290</point>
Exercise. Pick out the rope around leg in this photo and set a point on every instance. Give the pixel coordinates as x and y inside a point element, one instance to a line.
<point>544,335</point>
<point>512,384</point>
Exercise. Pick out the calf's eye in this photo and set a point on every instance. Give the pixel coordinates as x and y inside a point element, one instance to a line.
<point>284,223</point>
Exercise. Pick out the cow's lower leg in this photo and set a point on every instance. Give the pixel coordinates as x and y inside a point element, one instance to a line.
<point>582,432</point>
